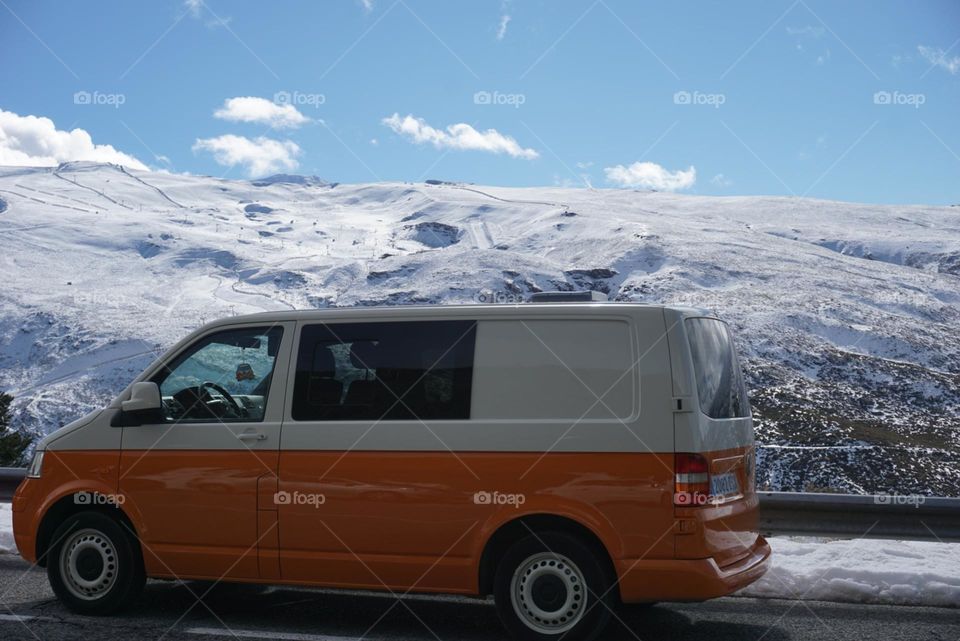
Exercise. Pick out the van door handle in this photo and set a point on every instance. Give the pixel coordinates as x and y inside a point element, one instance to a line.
<point>252,436</point>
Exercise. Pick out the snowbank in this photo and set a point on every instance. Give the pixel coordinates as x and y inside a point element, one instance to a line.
<point>6,530</point>
<point>862,571</point>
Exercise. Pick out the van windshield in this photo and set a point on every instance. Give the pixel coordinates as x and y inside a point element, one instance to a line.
<point>720,383</point>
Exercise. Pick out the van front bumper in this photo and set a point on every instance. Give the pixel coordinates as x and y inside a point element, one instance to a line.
<point>645,580</point>
<point>24,520</point>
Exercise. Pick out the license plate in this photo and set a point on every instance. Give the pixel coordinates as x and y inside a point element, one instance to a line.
<point>724,484</point>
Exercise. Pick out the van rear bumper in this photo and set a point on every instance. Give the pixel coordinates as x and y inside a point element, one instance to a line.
<point>643,580</point>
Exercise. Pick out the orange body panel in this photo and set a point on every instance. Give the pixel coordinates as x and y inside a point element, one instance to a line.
<point>403,520</point>
<point>398,519</point>
<point>196,511</point>
<point>64,474</point>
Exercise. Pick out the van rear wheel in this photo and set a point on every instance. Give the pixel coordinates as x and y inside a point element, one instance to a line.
<point>552,586</point>
<point>94,565</point>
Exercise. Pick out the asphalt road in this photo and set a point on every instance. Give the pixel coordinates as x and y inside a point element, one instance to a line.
<point>169,610</point>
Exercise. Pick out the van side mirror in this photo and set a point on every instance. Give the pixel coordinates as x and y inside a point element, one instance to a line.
<point>143,397</point>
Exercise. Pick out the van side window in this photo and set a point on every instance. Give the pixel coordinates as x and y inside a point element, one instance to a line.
<point>720,385</point>
<point>222,377</point>
<point>384,371</point>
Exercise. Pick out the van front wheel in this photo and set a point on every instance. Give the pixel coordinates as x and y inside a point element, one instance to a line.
<point>94,565</point>
<point>553,586</point>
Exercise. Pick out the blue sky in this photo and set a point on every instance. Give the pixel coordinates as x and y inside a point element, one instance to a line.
<point>851,101</point>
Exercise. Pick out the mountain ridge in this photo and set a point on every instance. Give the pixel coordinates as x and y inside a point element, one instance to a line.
<point>845,313</point>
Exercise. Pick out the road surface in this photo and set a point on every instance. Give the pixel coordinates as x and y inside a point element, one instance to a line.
<point>169,610</point>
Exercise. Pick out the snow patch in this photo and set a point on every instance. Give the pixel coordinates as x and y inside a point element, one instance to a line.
<point>861,571</point>
<point>7,546</point>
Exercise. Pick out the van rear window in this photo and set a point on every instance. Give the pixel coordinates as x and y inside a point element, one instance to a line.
<point>720,383</point>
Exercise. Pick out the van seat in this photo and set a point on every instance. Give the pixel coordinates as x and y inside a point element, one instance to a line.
<point>322,387</point>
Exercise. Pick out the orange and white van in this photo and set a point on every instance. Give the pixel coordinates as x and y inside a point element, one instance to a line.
<point>564,457</point>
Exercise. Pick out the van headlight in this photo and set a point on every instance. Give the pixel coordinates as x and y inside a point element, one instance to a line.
<point>36,465</point>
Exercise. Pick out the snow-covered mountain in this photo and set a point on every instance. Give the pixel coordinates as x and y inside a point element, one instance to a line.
<point>847,314</point>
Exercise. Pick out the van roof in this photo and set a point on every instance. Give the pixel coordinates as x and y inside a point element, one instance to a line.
<point>455,310</point>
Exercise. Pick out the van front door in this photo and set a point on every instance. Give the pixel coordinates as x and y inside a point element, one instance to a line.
<point>197,479</point>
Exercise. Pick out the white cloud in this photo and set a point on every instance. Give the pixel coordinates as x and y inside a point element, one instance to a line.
<point>260,156</point>
<point>939,58</point>
<point>650,175</point>
<point>502,29</point>
<point>36,142</point>
<point>505,19</point>
<point>367,5</point>
<point>193,7</point>
<point>458,136</point>
<point>262,111</point>
<point>721,181</point>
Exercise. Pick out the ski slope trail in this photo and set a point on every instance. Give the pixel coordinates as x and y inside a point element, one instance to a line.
<point>153,187</point>
<point>76,183</point>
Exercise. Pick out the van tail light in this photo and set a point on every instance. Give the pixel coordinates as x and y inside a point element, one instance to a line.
<point>692,480</point>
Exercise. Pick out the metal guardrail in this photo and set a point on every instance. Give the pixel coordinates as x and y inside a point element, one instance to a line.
<point>853,516</point>
<point>10,478</point>
<point>845,516</point>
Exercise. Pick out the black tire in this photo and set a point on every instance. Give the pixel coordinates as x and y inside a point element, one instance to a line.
<point>102,561</point>
<point>541,574</point>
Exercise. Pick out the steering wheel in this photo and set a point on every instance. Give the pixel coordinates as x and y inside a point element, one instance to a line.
<point>226,396</point>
